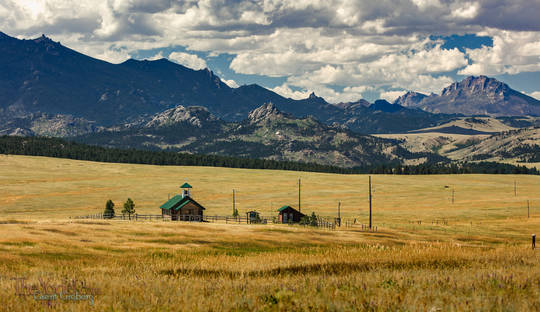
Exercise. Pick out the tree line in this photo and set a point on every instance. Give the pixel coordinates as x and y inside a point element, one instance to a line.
<point>60,148</point>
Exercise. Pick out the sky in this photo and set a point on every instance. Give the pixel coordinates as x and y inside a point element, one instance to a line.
<point>341,50</point>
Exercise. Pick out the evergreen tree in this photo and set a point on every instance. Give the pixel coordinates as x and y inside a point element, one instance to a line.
<point>314,219</point>
<point>109,210</point>
<point>129,208</point>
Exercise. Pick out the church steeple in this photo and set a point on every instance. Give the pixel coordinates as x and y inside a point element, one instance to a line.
<point>186,190</point>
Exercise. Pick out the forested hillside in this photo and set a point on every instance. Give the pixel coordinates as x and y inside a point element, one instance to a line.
<point>51,147</point>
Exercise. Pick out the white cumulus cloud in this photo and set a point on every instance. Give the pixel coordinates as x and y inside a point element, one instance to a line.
<point>512,53</point>
<point>231,83</point>
<point>391,96</point>
<point>535,94</point>
<point>334,47</point>
<point>189,60</point>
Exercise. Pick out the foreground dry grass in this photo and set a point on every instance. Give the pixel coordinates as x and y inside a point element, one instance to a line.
<point>181,266</point>
<point>480,260</point>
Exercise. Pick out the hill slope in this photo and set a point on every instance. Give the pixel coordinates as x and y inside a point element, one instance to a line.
<point>41,75</point>
<point>521,145</point>
<point>267,133</point>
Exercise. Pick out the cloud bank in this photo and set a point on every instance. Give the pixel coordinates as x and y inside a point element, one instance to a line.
<point>339,49</point>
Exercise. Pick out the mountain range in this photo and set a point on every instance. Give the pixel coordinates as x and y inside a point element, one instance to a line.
<point>43,78</point>
<point>50,90</point>
<point>266,133</point>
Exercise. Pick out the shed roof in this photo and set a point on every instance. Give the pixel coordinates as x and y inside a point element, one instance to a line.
<point>284,207</point>
<point>186,185</point>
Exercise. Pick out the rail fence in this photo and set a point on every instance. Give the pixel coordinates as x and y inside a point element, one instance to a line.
<point>433,222</point>
<point>192,218</point>
<point>134,217</point>
<point>321,222</point>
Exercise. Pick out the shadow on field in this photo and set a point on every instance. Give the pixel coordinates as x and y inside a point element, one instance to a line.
<point>11,221</point>
<point>320,268</point>
<point>57,231</point>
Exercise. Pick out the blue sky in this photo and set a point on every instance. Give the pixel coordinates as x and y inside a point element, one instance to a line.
<point>526,82</point>
<point>341,50</point>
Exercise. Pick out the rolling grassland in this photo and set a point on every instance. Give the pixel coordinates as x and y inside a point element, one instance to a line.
<point>428,254</point>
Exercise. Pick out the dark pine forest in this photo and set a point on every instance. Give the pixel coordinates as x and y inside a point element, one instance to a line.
<point>60,148</point>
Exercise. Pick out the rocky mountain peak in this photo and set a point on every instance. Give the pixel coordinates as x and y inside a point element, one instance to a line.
<point>45,40</point>
<point>353,105</point>
<point>267,111</point>
<point>195,115</point>
<point>385,106</point>
<point>409,99</point>
<point>480,85</point>
<point>479,96</point>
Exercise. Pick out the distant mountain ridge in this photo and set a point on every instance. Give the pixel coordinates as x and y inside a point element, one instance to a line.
<point>266,133</point>
<point>41,76</point>
<point>474,96</point>
<point>47,89</point>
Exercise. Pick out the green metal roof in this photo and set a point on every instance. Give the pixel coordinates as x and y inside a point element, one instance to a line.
<point>171,202</point>
<point>284,207</point>
<point>186,185</point>
<point>183,204</point>
<point>180,202</point>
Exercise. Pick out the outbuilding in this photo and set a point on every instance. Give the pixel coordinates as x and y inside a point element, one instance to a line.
<point>288,214</point>
<point>182,207</point>
<point>253,217</point>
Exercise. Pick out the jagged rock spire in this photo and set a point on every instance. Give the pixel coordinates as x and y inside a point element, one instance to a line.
<point>264,112</point>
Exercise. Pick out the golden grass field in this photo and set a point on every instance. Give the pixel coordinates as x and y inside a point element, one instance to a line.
<point>481,260</point>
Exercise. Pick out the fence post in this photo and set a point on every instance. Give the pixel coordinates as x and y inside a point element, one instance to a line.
<point>533,241</point>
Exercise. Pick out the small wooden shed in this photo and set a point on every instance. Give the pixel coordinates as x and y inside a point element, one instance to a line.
<point>253,217</point>
<point>288,214</point>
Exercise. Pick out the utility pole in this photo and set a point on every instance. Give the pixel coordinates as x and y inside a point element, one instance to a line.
<point>339,213</point>
<point>299,184</point>
<point>370,202</point>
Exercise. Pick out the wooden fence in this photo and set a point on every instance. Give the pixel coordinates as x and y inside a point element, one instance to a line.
<point>365,227</point>
<point>134,217</point>
<point>433,222</point>
<point>191,218</point>
<point>322,222</point>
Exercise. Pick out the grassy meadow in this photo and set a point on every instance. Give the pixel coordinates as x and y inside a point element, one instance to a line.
<point>479,260</point>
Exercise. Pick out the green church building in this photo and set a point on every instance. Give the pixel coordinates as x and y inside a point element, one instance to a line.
<point>182,207</point>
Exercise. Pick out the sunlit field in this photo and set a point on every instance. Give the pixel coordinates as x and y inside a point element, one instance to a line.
<point>428,253</point>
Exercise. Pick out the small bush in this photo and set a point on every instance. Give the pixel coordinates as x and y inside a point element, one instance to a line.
<point>312,220</point>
